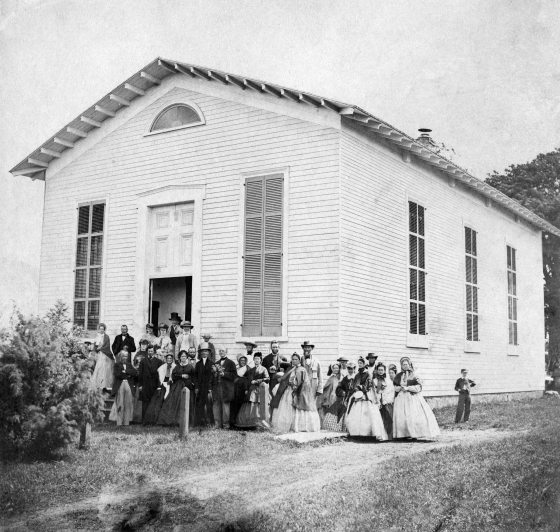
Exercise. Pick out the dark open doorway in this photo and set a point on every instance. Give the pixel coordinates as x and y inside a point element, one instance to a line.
<point>170,294</point>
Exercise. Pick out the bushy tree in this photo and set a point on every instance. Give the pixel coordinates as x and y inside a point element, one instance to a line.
<point>45,394</point>
<point>536,185</point>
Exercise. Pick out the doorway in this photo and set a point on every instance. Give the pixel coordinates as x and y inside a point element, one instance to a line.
<point>170,294</point>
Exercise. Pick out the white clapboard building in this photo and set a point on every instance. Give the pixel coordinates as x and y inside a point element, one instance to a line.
<point>260,212</point>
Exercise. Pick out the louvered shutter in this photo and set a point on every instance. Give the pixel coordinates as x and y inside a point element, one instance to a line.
<point>262,279</point>
<point>272,263</point>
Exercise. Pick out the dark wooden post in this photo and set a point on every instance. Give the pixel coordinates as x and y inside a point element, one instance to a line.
<point>85,436</point>
<point>184,413</point>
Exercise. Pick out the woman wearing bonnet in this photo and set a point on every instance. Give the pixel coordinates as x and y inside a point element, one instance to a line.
<point>412,416</point>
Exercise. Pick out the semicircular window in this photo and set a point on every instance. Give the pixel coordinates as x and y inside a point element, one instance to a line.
<point>176,116</point>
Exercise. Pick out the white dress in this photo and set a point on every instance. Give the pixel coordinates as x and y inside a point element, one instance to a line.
<point>102,376</point>
<point>412,415</point>
<point>363,417</point>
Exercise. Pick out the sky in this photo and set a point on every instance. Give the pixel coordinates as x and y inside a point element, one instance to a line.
<point>484,76</point>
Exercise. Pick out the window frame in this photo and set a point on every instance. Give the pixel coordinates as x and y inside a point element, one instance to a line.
<point>471,345</point>
<point>285,171</point>
<point>512,347</point>
<point>193,106</point>
<point>88,267</point>
<point>420,341</point>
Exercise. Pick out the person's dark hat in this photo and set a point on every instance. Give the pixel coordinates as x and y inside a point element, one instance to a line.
<point>175,317</point>
<point>342,359</point>
<point>151,325</point>
<point>163,326</point>
<point>307,343</point>
<point>372,355</point>
<point>204,346</point>
<point>464,369</point>
<point>285,363</point>
<point>186,324</point>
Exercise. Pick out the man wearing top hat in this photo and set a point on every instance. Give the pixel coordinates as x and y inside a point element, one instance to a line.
<point>186,339</point>
<point>313,368</point>
<point>175,329</point>
<point>371,358</point>
<point>206,338</point>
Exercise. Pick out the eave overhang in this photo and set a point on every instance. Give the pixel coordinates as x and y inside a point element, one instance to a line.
<point>37,162</point>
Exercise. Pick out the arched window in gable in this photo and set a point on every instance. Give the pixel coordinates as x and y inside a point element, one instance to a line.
<point>176,116</point>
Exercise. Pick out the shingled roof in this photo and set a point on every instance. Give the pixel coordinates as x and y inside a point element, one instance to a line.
<point>35,164</point>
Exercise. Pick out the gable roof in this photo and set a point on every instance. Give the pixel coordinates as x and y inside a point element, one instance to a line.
<point>35,164</point>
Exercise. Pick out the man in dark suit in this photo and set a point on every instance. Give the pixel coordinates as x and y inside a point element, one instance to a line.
<point>148,378</point>
<point>202,386</point>
<point>124,339</point>
<point>463,385</point>
<point>222,389</point>
<point>273,359</point>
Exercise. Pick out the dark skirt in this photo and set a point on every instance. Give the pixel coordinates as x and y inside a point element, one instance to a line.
<point>387,417</point>
<point>154,407</point>
<point>169,413</point>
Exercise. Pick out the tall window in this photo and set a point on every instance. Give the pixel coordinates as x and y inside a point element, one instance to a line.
<point>89,257</point>
<point>417,269</point>
<point>471,284</point>
<point>262,279</point>
<point>512,294</point>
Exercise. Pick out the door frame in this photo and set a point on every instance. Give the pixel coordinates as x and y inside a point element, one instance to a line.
<point>158,197</point>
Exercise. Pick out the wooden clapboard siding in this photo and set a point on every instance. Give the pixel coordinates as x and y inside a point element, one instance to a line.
<point>236,139</point>
<point>375,186</point>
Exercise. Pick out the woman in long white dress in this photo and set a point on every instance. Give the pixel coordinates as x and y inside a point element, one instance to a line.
<point>103,377</point>
<point>362,413</point>
<point>412,416</point>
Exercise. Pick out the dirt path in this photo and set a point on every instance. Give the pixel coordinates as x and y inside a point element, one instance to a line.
<point>213,497</point>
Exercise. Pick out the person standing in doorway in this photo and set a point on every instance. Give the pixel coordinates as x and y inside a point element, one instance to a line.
<point>124,340</point>
<point>175,330</point>
<point>463,386</point>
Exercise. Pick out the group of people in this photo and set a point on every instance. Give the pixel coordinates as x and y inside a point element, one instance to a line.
<point>366,398</point>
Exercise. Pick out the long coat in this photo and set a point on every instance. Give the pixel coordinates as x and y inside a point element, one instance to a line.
<point>222,385</point>
<point>148,377</point>
<point>203,379</point>
<point>119,342</point>
<point>123,371</point>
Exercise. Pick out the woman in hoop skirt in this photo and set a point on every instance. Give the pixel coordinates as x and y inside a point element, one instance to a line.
<point>412,416</point>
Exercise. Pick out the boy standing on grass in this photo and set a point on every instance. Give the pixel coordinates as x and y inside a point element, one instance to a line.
<point>463,386</point>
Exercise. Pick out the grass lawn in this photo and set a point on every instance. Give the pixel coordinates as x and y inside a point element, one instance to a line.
<point>507,484</point>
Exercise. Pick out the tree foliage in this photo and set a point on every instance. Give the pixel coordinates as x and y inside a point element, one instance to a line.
<point>536,185</point>
<point>45,394</point>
